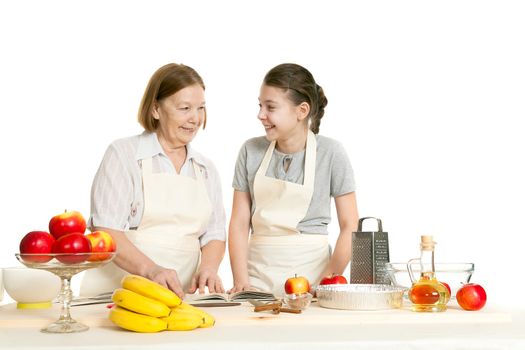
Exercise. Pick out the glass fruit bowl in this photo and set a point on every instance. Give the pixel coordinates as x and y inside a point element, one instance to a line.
<point>454,274</point>
<point>65,266</point>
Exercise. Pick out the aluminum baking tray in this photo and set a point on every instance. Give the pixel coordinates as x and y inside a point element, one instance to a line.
<point>360,296</point>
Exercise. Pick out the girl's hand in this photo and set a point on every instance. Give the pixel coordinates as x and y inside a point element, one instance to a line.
<point>206,278</point>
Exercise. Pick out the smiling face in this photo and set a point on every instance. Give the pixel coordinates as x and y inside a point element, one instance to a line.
<point>279,116</point>
<point>180,115</point>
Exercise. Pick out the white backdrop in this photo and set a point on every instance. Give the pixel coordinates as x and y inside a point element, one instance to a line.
<point>425,96</point>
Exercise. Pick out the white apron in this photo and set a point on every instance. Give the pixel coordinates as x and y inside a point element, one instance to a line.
<point>176,209</point>
<point>277,250</point>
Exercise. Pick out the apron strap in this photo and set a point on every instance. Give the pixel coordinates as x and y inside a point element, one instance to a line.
<point>198,172</point>
<point>310,157</point>
<point>266,160</point>
<point>147,167</point>
<point>309,162</point>
<point>147,170</point>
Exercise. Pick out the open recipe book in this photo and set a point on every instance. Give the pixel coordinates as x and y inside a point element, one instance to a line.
<point>234,297</point>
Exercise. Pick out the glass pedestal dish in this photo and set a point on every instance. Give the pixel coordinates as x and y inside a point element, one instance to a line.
<point>65,266</point>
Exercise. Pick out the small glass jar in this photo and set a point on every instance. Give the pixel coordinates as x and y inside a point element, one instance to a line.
<point>298,301</point>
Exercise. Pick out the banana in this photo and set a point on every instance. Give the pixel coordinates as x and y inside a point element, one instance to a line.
<point>139,303</point>
<point>182,320</point>
<point>136,322</point>
<point>209,320</point>
<point>150,289</point>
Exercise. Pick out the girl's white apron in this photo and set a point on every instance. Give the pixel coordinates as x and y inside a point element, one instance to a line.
<point>277,250</point>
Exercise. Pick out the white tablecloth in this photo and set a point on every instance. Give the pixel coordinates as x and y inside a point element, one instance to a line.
<point>240,328</point>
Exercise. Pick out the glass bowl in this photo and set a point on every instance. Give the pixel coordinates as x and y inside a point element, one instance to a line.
<point>298,301</point>
<point>455,274</point>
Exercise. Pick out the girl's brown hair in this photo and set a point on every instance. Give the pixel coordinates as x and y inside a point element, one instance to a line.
<point>301,87</point>
<point>166,81</point>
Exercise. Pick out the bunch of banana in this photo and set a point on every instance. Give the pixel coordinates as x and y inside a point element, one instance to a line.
<point>145,306</point>
<point>184,311</point>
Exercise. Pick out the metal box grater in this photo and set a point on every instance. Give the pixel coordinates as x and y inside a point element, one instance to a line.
<point>369,255</point>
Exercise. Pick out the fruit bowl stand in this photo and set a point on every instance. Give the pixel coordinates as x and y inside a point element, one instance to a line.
<point>56,263</point>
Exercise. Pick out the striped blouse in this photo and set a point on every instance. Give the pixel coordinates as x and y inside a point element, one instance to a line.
<point>117,199</point>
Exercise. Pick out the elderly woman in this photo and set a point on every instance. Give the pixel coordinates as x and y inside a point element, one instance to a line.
<point>160,199</point>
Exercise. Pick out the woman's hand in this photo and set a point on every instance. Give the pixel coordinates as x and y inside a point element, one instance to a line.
<point>167,278</point>
<point>206,278</point>
<point>241,287</point>
<point>132,260</point>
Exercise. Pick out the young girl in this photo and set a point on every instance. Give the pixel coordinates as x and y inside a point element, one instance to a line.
<point>283,183</point>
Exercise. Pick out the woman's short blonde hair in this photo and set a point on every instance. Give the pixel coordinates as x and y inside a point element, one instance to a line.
<point>166,81</point>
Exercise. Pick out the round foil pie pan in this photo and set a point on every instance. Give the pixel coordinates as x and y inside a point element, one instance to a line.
<point>360,296</point>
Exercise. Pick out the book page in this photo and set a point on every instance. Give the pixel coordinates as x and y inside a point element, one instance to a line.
<point>239,296</point>
<point>205,297</point>
<point>245,295</point>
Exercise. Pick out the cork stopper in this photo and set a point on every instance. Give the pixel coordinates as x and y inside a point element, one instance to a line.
<point>427,243</point>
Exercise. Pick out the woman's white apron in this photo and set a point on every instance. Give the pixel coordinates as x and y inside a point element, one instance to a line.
<point>176,210</point>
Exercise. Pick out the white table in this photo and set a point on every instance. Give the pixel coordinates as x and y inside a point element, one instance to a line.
<point>240,328</point>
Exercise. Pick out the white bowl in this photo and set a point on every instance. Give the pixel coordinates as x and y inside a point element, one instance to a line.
<point>31,288</point>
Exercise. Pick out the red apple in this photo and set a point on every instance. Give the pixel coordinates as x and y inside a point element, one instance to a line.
<point>67,222</point>
<point>37,242</point>
<point>471,297</point>
<point>296,285</point>
<point>445,284</point>
<point>101,242</point>
<point>71,244</point>
<point>448,287</point>
<point>334,279</point>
